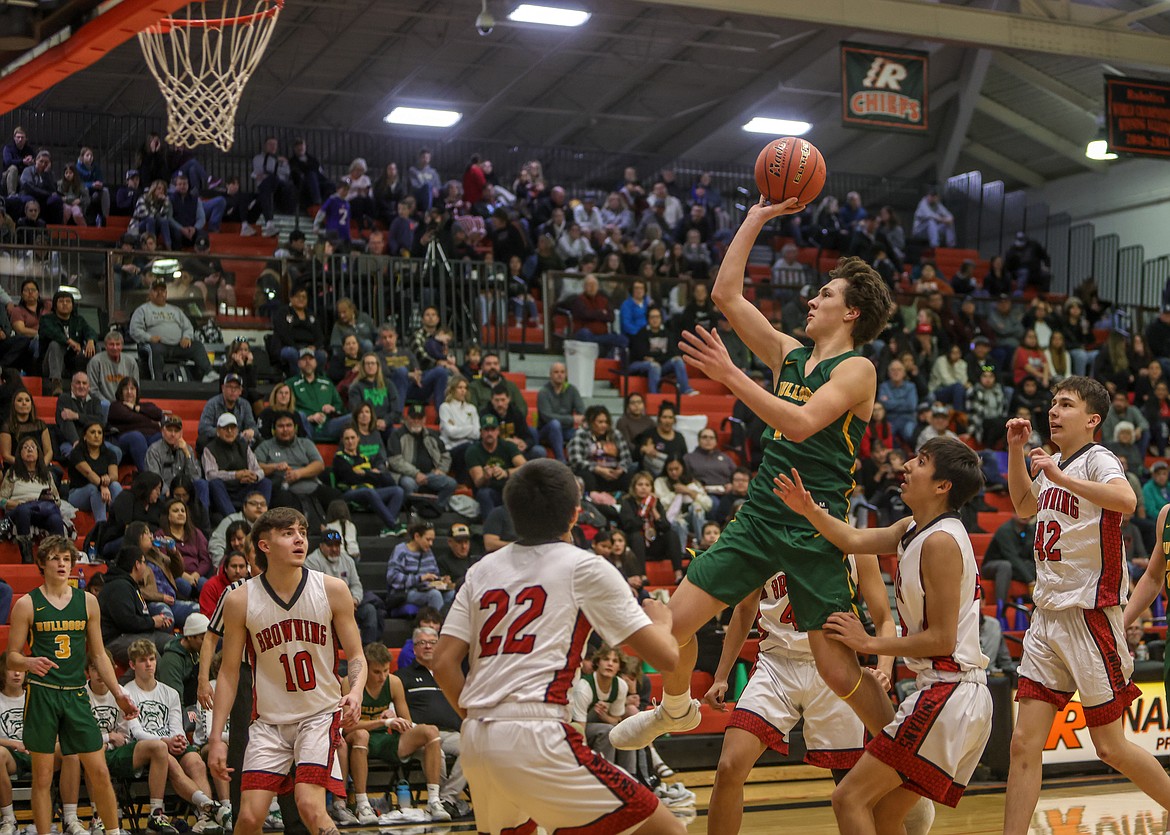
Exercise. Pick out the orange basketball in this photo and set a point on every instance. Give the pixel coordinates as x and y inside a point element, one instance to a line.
<point>790,167</point>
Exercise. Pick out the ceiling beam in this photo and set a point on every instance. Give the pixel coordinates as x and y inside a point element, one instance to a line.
<point>1039,133</point>
<point>1066,94</point>
<point>1005,165</point>
<point>972,73</point>
<point>1139,14</point>
<point>1073,36</point>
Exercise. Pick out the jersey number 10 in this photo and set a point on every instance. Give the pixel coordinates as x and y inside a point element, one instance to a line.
<point>299,675</point>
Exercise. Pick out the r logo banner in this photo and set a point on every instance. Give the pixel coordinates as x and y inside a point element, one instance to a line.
<point>883,88</point>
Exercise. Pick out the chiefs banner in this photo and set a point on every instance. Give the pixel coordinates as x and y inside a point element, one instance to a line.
<point>883,88</point>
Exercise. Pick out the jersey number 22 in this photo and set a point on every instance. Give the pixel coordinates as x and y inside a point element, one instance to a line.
<point>532,598</point>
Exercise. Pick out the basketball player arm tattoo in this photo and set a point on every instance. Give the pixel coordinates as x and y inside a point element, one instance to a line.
<point>791,490</point>
<point>346,630</point>
<point>737,631</point>
<point>1151,583</point>
<point>448,669</point>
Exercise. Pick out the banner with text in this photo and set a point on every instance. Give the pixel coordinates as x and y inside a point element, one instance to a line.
<point>1146,724</point>
<point>1137,113</point>
<point>883,88</point>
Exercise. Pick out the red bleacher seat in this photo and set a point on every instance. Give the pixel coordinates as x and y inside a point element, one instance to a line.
<point>659,572</point>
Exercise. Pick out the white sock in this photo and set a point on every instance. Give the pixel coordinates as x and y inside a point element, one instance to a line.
<point>156,804</point>
<point>432,792</point>
<point>200,800</point>
<point>676,704</point>
<point>68,812</point>
<point>7,813</point>
<point>359,799</point>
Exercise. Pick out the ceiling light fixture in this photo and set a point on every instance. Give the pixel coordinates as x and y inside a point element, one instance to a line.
<point>777,127</point>
<point>423,117</point>
<point>548,15</point>
<point>1099,149</point>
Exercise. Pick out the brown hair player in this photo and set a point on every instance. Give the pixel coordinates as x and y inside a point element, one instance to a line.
<point>1076,641</point>
<point>64,624</point>
<point>291,620</point>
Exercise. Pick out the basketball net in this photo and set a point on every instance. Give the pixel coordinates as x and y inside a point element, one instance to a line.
<point>202,65</point>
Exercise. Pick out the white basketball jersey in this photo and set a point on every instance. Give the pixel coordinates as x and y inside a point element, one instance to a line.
<point>12,716</point>
<point>293,650</point>
<point>911,598</point>
<point>1080,557</point>
<point>526,613</point>
<point>106,711</point>
<point>778,632</point>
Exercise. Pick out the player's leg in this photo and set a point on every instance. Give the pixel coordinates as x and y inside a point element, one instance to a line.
<point>339,809</point>
<point>662,822</point>
<point>1033,723</point>
<point>859,793</point>
<point>152,755</point>
<point>210,815</point>
<point>99,786</point>
<point>740,751</point>
<point>311,806</point>
<point>358,742</point>
<point>43,766</point>
<point>890,814</point>
<point>837,664</point>
<point>691,607</point>
<point>253,810</point>
<point>1138,765</point>
<point>7,814</point>
<point>426,738</point>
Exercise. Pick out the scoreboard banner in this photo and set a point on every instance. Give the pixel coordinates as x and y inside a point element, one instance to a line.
<point>1137,114</point>
<point>1145,721</point>
<point>883,88</point>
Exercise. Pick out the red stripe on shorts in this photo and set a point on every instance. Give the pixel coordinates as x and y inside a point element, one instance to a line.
<point>637,802</point>
<point>1106,642</point>
<point>319,775</point>
<point>526,828</point>
<point>900,752</point>
<point>1112,710</point>
<point>1030,689</point>
<point>760,728</point>
<point>265,781</point>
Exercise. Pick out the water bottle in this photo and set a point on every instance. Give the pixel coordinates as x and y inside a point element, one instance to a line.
<point>1141,652</point>
<point>91,552</point>
<point>402,792</point>
<point>54,264</point>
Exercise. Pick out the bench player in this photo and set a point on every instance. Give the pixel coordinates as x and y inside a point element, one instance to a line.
<point>64,623</point>
<point>822,400</point>
<point>291,620</point>
<point>935,741</point>
<point>785,687</point>
<point>1076,640</point>
<point>521,619</point>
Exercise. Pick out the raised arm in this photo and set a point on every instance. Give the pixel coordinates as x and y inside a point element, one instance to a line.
<point>753,327</point>
<point>1154,579</point>
<point>849,539</point>
<point>877,603</point>
<point>1019,481</point>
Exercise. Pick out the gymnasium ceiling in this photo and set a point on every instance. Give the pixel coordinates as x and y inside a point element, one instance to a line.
<point>1009,93</point>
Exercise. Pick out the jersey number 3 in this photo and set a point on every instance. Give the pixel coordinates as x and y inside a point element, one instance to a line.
<point>1047,535</point>
<point>532,598</point>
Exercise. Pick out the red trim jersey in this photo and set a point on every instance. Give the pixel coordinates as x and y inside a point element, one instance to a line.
<point>293,650</point>
<point>911,599</point>
<point>777,626</point>
<point>1080,556</point>
<point>526,612</point>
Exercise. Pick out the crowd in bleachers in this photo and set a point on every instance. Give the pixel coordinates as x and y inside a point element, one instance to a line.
<point>385,426</point>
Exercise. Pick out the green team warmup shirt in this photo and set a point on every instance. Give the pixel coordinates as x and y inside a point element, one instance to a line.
<point>383,744</point>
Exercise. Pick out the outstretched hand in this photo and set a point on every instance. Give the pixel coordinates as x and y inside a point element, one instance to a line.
<point>846,627</point>
<point>705,351</point>
<point>766,210</point>
<point>1019,430</point>
<point>793,493</point>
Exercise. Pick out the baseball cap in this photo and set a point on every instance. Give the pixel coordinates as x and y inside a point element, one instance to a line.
<point>232,378</point>
<point>981,340</point>
<point>416,410</point>
<point>173,420</point>
<point>227,419</point>
<point>308,352</point>
<point>460,531</point>
<point>923,407</point>
<point>332,537</point>
<point>131,172</point>
<point>1159,465</point>
<point>196,624</point>
<point>159,281</point>
<point>489,422</point>
<point>939,409</point>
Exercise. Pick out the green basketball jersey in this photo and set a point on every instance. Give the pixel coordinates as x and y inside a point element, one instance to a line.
<point>372,706</point>
<point>825,460</point>
<point>60,635</point>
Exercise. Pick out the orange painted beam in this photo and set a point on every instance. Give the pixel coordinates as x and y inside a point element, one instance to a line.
<point>86,47</point>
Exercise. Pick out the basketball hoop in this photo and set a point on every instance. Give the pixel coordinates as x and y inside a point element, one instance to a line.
<point>202,65</point>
